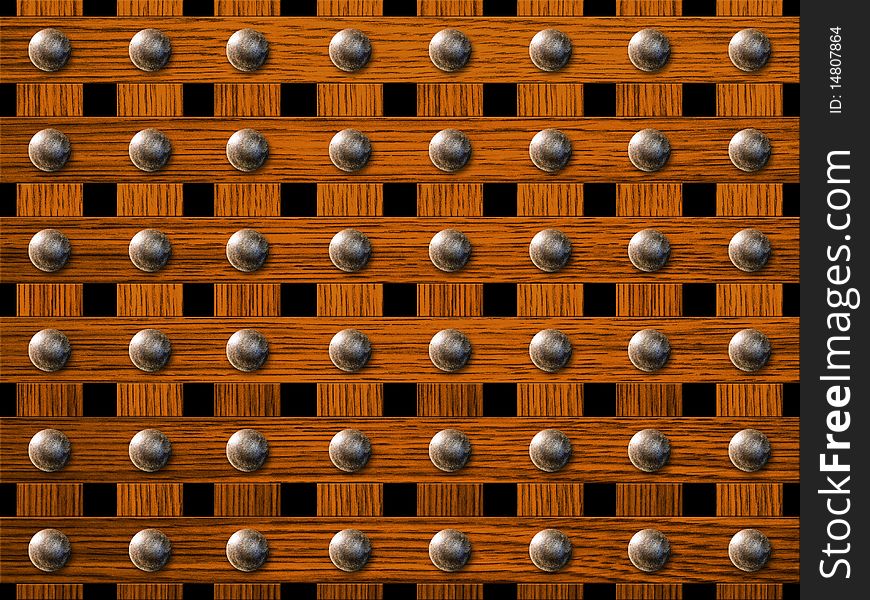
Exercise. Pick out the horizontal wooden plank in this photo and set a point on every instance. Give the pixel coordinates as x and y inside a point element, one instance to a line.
<point>299,349</point>
<point>298,249</point>
<point>298,149</point>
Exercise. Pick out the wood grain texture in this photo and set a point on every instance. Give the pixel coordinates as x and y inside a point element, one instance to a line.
<point>49,499</point>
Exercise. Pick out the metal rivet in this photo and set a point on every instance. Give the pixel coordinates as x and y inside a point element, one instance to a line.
<point>350,50</point>
<point>749,150</point>
<point>550,50</point>
<point>49,150</point>
<point>150,150</point>
<point>449,250</point>
<point>49,350</point>
<point>349,150</point>
<point>150,350</point>
<point>550,250</point>
<point>649,550</point>
<point>349,450</point>
<point>749,450</point>
<point>550,450</point>
<point>350,350</point>
<point>350,250</point>
<point>247,50</point>
<point>49,250</point>
<point>49,450</point>
<point>247,250</point>
<point>247,150</point>
<point>49,550</point>
<point>247,450</point>
<point>649,50</point>
<point>49,49</point>
<point>149,250</point>
<point>247,350</point>
<point>649,250</point>
<point>749,49</point>
<point>150,550</point>
<point>749,250</point>
<point>550,550</point>
<point>150,450</point>
<point>349,550</point>
<point>247,550</point>
<point>749,550</point>
<point>449,450</point>
<point>449,550</point>
<point>550,350</point>
<point>749,350</point>
<point>450,150</point>
<point>449,50</point>
<point>550,150</point>
<point>449,350</point>
<point>649,450</point>
<point>649,350</point>
<point>649,150</point>
<point>150,50</point>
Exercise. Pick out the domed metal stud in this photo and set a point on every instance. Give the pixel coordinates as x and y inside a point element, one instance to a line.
<point>649,150</point>
<point>350,250</point>
<point>150,50</point>
<point>150,350</point>
<point>749,49</point>
<point>49,49</point>
<point>247,150</point>
<point>49,250</point>
<point>247,350</point>
<point>449,50</point>
<point>49,150</point>
<point>449,350</point>
<point>247,250</point>
<point>247,50</point>
<point>649,550</point>
<point>449,550</point>
<point>449,250</point>
<point>150,450</point>
<point>749,550</point>
<point>649,350</point>
<point>49,450</point>
<point>550,150</point>
<point>749,450</point>
<point>149,250</point>
<point>349,150</point>
<point>649,250</point>
<point>550,450</point>
<point>649,50</point>
<point>749,150</point>
<point>349,550</point>
<point>550,50</point>
<point>150,550</point>
<point>150,150</point>
<point>247,550</point>
<point>350,50</point>
<point>49,550</point>
<point>749,350</point>
<point>550,250</point>
<point>449,450</point>
<point>649,450</point>
<point>49,350</point>
<point>550,550</point>
<point>550,350</point>
<point>749,250</point>
<point>449,150</point>
<point>350,350</point>
<point>349,450</point>
<point>247,450</point>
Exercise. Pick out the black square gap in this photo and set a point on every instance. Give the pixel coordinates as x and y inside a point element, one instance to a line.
<point>298,99</point>
<point>99,299</point>
<point>298,399</point>
<point>198,499</point>
<point>7,100</point>
<point>599,299</point>
<point>699,99</point>
<point>400,499</point>
<point>299,591</point>
<point>100,399</point>
<point>298,499</point>
<point>699,299</point>
<point>599,99</point>
<point>791,299</point>
<point>400,399</point>
<point>499,299</point>
<point>699,499</point>
<point>791,8</point>
<point>599,591</point>
<point>8,299</point>
<point>197,399</point>
<point>197,99</point>
<point>298,8</point>
<point>197,8</point>
<point>400,99</point>
<point>499,499</point>
<point>499,99</point>
<point>499,399</point>
<point>699,591</point>
<point>498,591</point>
<point>599,499</point>
<point>699,8</point>
<point>100,591</point>
<point>791,100</point>
<point>198,199</point>
<point>400,591</point>
<point>791,199</point>
<point>200,591</point>
<point>99,8</point>
<point>7,9</point>
<point>499,199</point>
<point>699,399</point>
<point>400,8</point>
<point>791,591</point>
<point>298,299</point>
<point>400,299</point>
<point>400,199</point>
<point>599,399</point>
<point>699,199</point>
<point>599,8</point>
<point>791,499</point>
<point>8,400</point>
<point>791,400</point>
<point>197,299</point>
<point>8,200</point>
<point>599,199</point>
<point>298,199</point>
<point>499,8</point>
<point>99,499</point>
<point>98,100</point>
<point>100,199</point>
<point>8,500</point>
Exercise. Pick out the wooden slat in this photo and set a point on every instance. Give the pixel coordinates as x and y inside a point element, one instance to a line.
<point>549,499</point>
<point>50,499</point>
<point>749,8</point>
<point>350,499</point>
<point>149,99</point>
<point>149,499</point>
<point>749,100</point>
<point>49,100</point>
<point>343,99</point>
<point>149,199</point>
<point>150,8</point>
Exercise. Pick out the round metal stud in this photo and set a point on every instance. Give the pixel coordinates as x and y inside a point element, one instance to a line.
<point>649,250</point>
<point>150,450</point>
<point>649,550</point>
<point>150,550</point>
<point>49,450</point>
<point>749,250</point>
<point>247,350</point>
<point>449,150</point>
<point>247,50</point>
<point>550,550</point>
<point>649,50</point>
<point>550,50</point>
<point>550,350</point>
<point>550,150</point>
<point>150,150</point>
<point>649,150</point>
<point>749,550</point>
<point>749,49</point>
<point>350,250</point>
<point>350,50</point>
<point>247,150</point>
<point>150,350</point>
<point>247,250</point>
<point>247,550</point>
<point>349,550</point>
<point>349,450</point>
<point>749,350</point>
<point>150,50</point>
<point>49,150</point>
<point>649,450</point>
<point>449,50</point>
<point>449,350</point>
<point>350,350</point>
<point>749,450</point>
<point>349,150</point>
<point>49,550</point>
<point>550,450</point>
<point>49,350</point>
<point>749,150</point>
<point>649,350</point>
<point>247,450</point>
<point>49,250</point>
<point>49,49</point>
<point>449,450</point>
<point>449,550</point>
<point>149,250</point>
<point>550,250</point>
<point>449,250</point>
